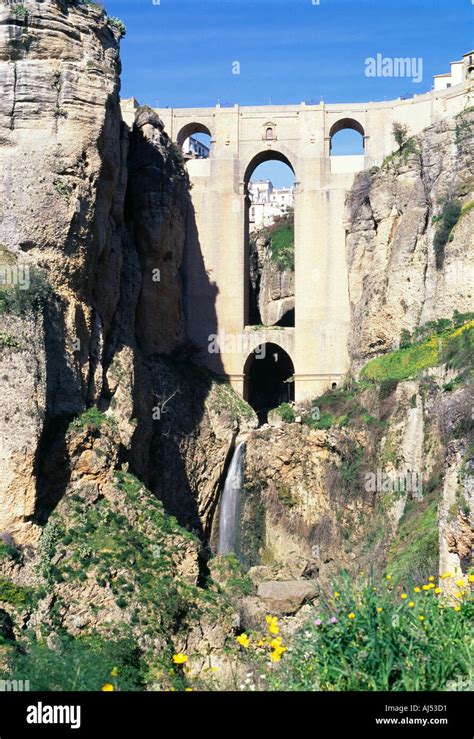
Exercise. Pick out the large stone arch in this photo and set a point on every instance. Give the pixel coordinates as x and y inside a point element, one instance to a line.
<point>268,377</point>
<point>189,129</point>
<point>344,124</point>
<point>267,155</point>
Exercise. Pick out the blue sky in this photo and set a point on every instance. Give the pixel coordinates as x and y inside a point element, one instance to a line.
<point>179,53</point>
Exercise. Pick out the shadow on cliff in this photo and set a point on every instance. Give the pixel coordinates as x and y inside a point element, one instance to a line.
<point>169,388</point>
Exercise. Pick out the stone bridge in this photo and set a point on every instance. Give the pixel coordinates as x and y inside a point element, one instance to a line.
<point>216,259</point>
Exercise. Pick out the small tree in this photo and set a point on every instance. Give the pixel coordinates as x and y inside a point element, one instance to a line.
<point>400,133</point>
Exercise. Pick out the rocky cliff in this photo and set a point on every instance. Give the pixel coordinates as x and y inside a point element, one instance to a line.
<point>408,263</point>
<point>114,444</point>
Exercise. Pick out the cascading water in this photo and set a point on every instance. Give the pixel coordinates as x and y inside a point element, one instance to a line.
<point>230,503</point>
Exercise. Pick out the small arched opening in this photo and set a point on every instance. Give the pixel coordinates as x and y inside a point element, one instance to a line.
<point>269,240</point>
<point>195,141</point>
<point>269,379</point>
<point>347,138</point>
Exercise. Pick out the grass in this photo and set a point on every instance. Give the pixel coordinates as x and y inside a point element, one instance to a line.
<point>337,409</point>
<point>411,361</point>
<point>282,242</point>
<point>414,553</point>
<point>378,640</point>
<point>83,664</point>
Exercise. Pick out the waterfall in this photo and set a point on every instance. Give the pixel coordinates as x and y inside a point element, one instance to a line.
<point>230,503</point>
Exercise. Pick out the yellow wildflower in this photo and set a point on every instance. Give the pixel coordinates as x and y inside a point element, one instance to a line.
<point>276,643</point>
<point>243,640</point>
<point>446,574</point>
<point>460,583</point>
<point>179,659</point>
<point>422,618</point>
<point>437,591</point>
<point>388,577</point>
<point>411,604</point>
<point>457,608</point>
<point>351,616</point>
<point>404,596</point>
<point>107,688</point>
<point>275,657</point>
<point>417,590</point>
<point>273,629</point>
<point>379,610</point>
<point>336,594</point>
<point>426,587</point>
<point>471,578</point>
<point>431,578</point>
<point>271,620</point>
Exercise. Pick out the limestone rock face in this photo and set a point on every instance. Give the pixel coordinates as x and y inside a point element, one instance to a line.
<point>60,159</point>
<point>287,596</point>
<point>273,288</point>
<point>391,220</point>
<point>99,212</point>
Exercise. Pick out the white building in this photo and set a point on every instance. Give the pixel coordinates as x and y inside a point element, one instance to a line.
<point>459,70</point>
<point>267,203</point>
<point>195,149</point>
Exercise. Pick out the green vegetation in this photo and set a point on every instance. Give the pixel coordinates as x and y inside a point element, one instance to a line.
<point>19,596</point>
<point>32,294</point>
<point>8,342</point>
<point>91,418</point>
<point>449,345</point>
<point>336,409</point>
<point>286,412</point>
<point>463,126</point>
<point>406,147</point>
<point>371,635</point>
<point>282,242</point>
<point>228,573</point>
<point>118,24</point>
<point>447,221</point>
<point>20,11</point>
<point>9,552</point>
<point>86,663</point>
<point>62,188</point>
<point>414,553</point>
<point>400,133</point>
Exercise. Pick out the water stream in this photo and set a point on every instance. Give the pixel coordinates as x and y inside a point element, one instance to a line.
<point>230,504</point>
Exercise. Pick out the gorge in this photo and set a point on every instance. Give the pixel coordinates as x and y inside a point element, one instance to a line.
<point>123,444</point>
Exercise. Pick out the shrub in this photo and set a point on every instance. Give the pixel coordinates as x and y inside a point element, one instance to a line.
<point>365,637</point>
<point>286,412</point>
<point>119,25</point>
<point>18,301</point>
<point>82,664</point>
<point>92,418</point>
<point>400,133</point>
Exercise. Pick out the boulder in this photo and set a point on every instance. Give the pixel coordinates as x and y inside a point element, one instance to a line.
<point>287,596</point>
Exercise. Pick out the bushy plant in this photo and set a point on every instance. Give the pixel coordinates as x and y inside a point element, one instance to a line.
<point>374,636</point>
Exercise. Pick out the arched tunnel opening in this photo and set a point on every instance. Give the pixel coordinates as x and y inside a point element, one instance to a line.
<point>269,374</point>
